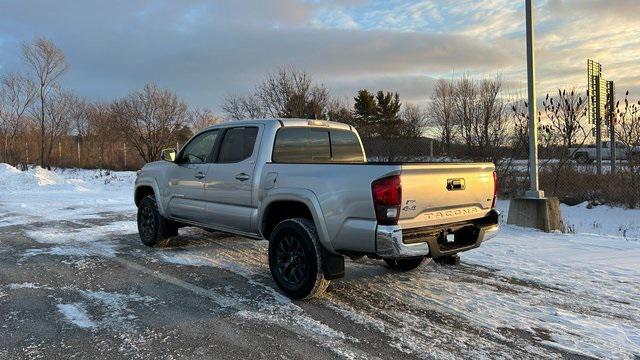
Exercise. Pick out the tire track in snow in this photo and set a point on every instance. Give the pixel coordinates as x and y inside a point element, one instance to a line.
<point>292,318</point>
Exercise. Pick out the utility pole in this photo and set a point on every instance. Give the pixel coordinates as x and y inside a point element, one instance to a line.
<point>611,92</point>
<point>124,149</point>
<point>534,188</point>
<point>431,150</point>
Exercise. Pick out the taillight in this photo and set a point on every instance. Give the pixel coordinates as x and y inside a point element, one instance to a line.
<point>387,197</point>
<point>495,189</point>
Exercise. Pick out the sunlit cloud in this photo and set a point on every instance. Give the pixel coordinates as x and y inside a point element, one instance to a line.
<point>205,50</point>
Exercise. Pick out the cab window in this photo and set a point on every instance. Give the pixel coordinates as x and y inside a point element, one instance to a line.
<point>316,145</point>
<point>199,150</point>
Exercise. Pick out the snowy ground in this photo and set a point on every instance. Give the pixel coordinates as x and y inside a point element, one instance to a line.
<point>74,280</point>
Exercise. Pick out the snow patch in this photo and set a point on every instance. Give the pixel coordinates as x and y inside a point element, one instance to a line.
<point>77,315</point>
<point>86,241</point>
<point>27,285</point>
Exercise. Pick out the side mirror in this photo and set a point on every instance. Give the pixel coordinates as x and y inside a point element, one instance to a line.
<point>168,155</point>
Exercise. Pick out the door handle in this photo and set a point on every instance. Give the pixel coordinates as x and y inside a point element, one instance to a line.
<point>199,175</point>
<point>242,177</point>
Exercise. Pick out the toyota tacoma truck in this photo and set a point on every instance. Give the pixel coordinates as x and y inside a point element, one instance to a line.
<point>307,188</point>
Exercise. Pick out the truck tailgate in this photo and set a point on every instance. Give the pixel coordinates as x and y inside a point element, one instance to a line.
<point>434,194</point>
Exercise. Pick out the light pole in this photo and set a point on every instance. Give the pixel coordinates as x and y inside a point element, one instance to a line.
<point>534,210</point>
<point>534,188</point>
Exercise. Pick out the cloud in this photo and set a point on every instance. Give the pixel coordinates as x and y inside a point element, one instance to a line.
<point>205,50</point>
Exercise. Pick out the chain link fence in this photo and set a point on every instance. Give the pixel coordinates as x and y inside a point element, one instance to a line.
<point>560,176</point>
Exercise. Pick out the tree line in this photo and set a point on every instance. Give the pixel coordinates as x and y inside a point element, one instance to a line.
<point>42,122</point>
<point>292,93</point>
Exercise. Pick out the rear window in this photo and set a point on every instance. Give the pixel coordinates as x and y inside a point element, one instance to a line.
<point>316,145</point>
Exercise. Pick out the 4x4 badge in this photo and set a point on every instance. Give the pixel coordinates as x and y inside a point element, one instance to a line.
<point>410,205</point>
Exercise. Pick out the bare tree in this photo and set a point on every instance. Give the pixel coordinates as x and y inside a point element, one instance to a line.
<point>465,105</point>
<point>47,63</point>
<point>238,107</point>
<point>100,134</point>
<point>414,121</point>
<point>441,112</point>
<point>203,118</point>
<point>628,131</point>
<point>479,116</point>
<point>628,123</point>
<point>565,115</point>
<point>340,111</point>
<point>520,130</point>
<point>561,128</point>
<point>150,119</point>
<point>286,93</point>
<point>491,128</point>
<point>17,95</point>
<point>58,113</point>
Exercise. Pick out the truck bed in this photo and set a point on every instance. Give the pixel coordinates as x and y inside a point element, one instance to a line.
<point>344,194</point>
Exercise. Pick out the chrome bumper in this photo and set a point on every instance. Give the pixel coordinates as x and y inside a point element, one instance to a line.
<point>490,232</point>
<point>389,243</point>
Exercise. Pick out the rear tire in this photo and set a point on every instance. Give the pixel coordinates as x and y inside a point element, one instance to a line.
<point>404,265</point>
<point>152,226</point>
<point>295,259</point>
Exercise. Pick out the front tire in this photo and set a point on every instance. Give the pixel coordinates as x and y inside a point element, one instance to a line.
<point>404,265</point>
<point>295,259</point>
<point>152,226</point>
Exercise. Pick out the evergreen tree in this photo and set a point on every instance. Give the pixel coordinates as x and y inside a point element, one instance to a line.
<point>389,123</point>
<point>365,113</point>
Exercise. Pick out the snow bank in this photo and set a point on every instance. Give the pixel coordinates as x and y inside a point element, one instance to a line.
<point>36,178</point>
<point>62,194</point>
<point>603,220</point>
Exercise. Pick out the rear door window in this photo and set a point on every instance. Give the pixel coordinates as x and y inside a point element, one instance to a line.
<point>237,144</point>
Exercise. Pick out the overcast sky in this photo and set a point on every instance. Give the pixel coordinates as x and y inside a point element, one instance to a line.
<point>206,49</point>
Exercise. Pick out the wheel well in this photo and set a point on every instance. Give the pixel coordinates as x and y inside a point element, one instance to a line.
<point>141,192</point>
<point>282,210</point>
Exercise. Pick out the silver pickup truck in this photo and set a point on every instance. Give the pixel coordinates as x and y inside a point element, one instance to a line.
<point>587,154</point>
<point>305,185</point>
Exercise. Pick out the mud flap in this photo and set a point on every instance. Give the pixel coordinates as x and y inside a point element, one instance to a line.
<point>332,265</point>
<point>448,260</point>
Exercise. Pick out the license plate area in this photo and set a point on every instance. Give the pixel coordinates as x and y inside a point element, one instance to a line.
<point>458,238</point>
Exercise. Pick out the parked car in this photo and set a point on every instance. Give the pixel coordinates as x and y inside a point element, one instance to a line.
<point>305,186</point>
<point>587,154</point>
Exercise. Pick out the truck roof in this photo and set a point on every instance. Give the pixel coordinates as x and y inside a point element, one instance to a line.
<point>285,122</point>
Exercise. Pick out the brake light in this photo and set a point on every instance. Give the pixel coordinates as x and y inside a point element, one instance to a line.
<point>495,189</point>
<point>387,197</point>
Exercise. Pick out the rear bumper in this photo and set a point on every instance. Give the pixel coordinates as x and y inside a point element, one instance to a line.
<point>394,242</point>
